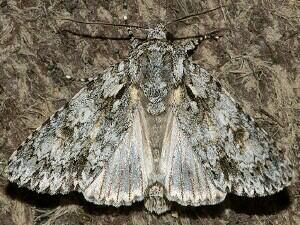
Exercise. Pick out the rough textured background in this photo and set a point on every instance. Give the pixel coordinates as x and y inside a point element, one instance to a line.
<point>257,61</point>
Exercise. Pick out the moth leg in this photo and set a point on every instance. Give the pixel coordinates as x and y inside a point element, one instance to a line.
<point>134,42</point>
<point>194,43</point>
<point>215,35</point>
<point>88,79</point>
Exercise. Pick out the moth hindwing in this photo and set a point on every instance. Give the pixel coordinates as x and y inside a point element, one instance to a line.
<point>154,127</point>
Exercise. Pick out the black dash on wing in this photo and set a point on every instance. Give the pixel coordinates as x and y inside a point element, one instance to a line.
<point>91,85</point>
<point>190,93</point>
<point>21,146</point>
<point>239,107</point>
<point>121,92</point>
<point>66,106</point>
<point>36,130</point>
<point>218,85</point>
<point>46,122</point>
<point>248,117</point>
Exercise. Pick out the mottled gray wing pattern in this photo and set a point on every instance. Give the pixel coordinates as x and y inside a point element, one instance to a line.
<point>187,180</point>
<point>212,147</point>
<point>94,145</point>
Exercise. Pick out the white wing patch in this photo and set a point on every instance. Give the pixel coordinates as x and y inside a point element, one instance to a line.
<point>186,180</point>
<point>124,178</point>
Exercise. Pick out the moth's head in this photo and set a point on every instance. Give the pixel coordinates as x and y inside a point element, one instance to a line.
<point>157,39</point>
<point>157,33</point>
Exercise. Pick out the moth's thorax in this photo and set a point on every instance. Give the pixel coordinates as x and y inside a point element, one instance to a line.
<point>159,69</point>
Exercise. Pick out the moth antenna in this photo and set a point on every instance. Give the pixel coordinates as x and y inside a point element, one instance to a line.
<point>106,24</point>
<point>128,26</point>
<point>97,36</point>
<point>194,15</point>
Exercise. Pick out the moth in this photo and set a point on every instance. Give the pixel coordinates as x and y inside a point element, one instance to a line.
<point>154,128</point>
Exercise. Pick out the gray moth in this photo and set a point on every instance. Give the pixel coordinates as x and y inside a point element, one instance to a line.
<point>154,128</point>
